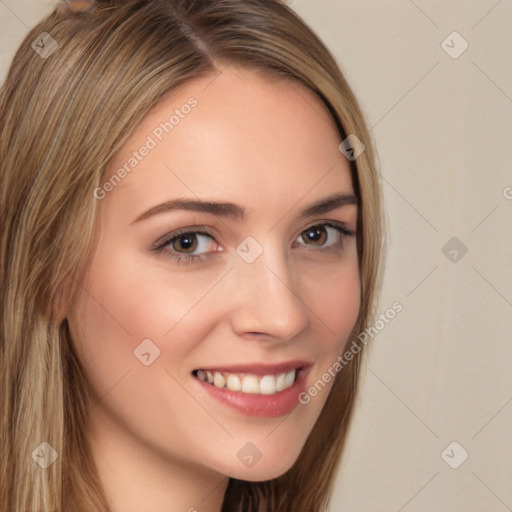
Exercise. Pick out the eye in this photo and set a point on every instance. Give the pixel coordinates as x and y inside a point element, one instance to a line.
<point>330,232</point>
<point>185,246</point>
<point>187,241</point>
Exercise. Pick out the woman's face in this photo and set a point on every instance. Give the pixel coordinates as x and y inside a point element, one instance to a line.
<point>266,298</point>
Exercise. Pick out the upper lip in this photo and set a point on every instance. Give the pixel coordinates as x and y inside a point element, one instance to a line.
<point>260,368</point>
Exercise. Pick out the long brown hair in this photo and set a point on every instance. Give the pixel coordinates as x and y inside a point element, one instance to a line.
<point>78,86</point>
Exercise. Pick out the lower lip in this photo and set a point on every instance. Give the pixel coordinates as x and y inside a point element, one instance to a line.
<point>263,406</point>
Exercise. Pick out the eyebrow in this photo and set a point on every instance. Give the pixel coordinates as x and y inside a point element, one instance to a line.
<point>237,212</point>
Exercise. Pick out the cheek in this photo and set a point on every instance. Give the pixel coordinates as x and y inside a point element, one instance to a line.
<point>120,306</point>
<point>128,301</point>
<point>334,301</point>
<point>125,302</point>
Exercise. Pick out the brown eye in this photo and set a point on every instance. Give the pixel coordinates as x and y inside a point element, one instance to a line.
<point>326,235</point>
<point>186,246</point>
<point>315,234</point>
<point>186,242</point>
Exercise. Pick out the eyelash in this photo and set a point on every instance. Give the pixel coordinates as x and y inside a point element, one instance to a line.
<point>161,247</point>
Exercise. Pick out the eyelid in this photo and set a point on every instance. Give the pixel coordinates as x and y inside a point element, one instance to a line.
<point>203,230</point>
<point>196,230</point>
<point>160,244</point>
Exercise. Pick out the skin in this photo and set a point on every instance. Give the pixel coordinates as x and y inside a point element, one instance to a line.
<point>159,441</point>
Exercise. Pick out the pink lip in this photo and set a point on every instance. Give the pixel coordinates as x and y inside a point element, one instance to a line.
<point>261,368</point>
<point>263,406</point>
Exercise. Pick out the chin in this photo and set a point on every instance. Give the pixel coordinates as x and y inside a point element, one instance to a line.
<point>273,467</point>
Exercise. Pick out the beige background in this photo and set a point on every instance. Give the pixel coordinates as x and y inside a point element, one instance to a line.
<point>441,370</point>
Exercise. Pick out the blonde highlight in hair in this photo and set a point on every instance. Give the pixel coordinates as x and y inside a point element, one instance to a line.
<point>62,120</point>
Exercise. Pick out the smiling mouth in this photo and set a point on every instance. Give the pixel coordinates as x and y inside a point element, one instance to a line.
<point>249,383</point>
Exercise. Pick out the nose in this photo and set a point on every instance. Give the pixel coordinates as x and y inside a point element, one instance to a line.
<point>267,299</point>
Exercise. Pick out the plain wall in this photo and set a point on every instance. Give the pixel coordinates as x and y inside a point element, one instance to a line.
<point>440,371</point>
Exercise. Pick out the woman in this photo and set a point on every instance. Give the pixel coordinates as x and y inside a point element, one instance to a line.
<point>191,237</point>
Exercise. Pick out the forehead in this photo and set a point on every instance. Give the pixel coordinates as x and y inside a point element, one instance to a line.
<point>238,135</point>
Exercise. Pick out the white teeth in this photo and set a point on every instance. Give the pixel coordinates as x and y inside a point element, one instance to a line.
<point>281,382</point>
<point>268,385</point>
<point>218,380</point>
<point>290,378</point>
<point>249,383</point>
<point>233,383</point>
